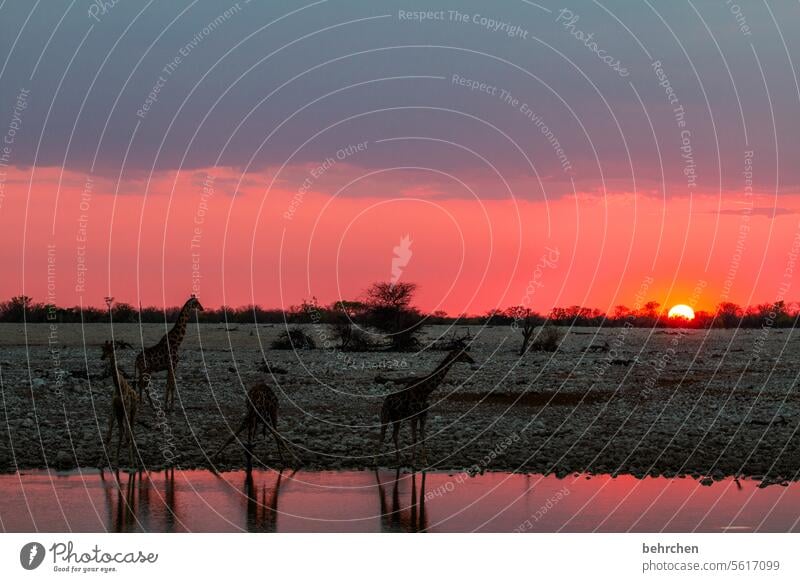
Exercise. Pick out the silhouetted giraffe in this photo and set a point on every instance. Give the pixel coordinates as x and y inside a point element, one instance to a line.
<point>411,403</point>
<point>164,355</point>
<point>261,410</point>
<point>123,405</point>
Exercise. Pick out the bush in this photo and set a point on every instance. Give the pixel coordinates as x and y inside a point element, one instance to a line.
<point>547,340</point>
<point>294,339</point>
<point>352,338</point>
<point>453,342</point>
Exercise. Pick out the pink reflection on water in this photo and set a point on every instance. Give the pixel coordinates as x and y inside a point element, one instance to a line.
<point>366,501</point>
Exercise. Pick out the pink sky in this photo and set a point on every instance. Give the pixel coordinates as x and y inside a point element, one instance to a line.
<point>467,255</point>
<point>484,148</point>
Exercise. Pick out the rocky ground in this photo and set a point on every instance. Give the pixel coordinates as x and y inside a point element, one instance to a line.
<point>659,402</point>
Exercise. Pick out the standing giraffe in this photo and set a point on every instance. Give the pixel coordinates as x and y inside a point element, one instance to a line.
<point>411,403</point>
<point>164,355</point>
<point>123,405</point>
<point>262,409</point>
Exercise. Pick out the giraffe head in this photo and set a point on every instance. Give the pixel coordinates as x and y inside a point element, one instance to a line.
<point>193,303</point>
<point>107,350</point>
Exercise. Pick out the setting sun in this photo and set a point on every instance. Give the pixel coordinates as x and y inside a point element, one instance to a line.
<point>681,311</point>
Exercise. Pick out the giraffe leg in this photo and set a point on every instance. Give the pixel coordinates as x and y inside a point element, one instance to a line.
<point>133,451</point>
<point>272,426</point>
<point>278,442</point>
<point>169,397</point>
<point>107,442</point>
<point>129,438</point>
<point>413,443</point>
<point>120,430</point>
<point>144,384</point>
<point>396,439</point>
<point>139,379</point>
<point>422,419</point>
<point>230,439</point>
<point>249,446</point>
<point>294,457</point>
<point>381,438</point>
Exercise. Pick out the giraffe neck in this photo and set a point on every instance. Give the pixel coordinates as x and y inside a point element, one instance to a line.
<point>437,376</point>
<point>115,373</point>
<point>178,331</point>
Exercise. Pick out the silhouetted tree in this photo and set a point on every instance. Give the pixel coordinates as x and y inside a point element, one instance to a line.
<point>729,314</point>
<point>353,309</point>
<point>388,308</point>
<point>702,319</point>
<point>390,311</point>
<point>125,313</point>
<point>621,312</point>
<point>524,319</point>
<point>497,317</point>
<point>14,310</point>
<point>438,317</point>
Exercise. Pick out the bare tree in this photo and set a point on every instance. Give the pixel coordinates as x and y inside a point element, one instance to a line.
<point>524,319</point>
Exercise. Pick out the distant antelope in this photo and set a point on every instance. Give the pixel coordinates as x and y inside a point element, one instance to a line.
<point>123,405</point>
<point>164,355</point>
<point>411,403</point>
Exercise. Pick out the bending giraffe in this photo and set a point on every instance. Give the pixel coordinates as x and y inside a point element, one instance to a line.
<point>164,355</point>
<point>411,403</point>
<point>261,410</point>
<point>123,405</point>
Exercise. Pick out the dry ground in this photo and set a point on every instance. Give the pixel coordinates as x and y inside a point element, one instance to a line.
<point>609,401</point>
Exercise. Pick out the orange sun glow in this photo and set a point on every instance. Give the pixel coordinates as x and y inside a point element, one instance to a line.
<point>683,311</point>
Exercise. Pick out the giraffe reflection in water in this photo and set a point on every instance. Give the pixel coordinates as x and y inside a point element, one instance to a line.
<point>262,515</point>
<point>121,501</point>
<point>410,518</point>
<point>129,505</point>
<point>366,501</point>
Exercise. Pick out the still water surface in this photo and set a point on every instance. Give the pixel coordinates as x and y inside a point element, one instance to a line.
<point>366,501</point>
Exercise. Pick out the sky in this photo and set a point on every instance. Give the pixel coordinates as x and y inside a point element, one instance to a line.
<point>545,154</point>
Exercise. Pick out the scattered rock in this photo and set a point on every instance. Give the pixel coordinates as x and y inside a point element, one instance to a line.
<point>331,414</point>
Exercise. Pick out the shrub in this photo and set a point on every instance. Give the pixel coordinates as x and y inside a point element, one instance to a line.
<point>294,339</point>
<point>453,342</point>
<point>547,340</point>
<point>352,338</point>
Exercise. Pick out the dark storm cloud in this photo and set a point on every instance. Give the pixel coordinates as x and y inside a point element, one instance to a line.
<point>185,84</point>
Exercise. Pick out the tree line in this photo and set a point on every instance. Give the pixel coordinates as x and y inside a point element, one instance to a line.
<point>388,307</point>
